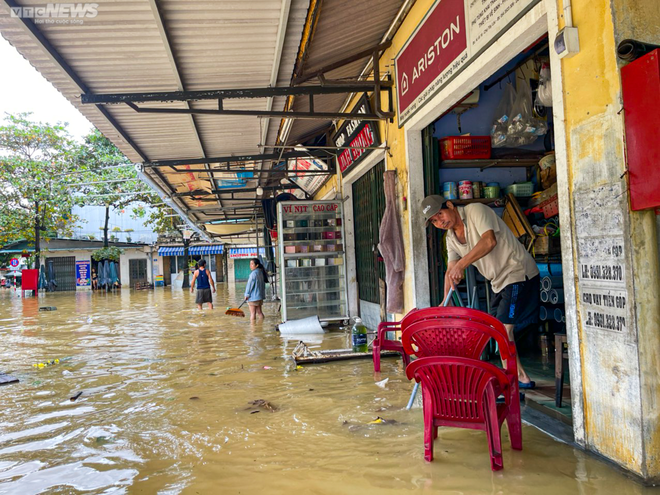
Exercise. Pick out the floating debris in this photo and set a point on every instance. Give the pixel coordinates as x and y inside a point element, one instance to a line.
<point>263,404</point>
<point>382,383</point>
<point>73,399</point>
<point>48,308</point>
<point>50,362</point>
<point>7,379</point>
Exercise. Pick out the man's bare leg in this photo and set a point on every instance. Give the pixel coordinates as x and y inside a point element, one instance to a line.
<point>522,374</point>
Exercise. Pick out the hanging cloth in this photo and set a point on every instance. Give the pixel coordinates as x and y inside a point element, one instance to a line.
<point>391,246</point>
<point>42,278</point>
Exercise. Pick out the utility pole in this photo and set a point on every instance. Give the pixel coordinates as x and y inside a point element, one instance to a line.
<point>186,268</point>
<point>37,237</point>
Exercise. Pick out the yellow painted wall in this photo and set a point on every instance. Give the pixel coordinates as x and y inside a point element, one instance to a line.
<point>620,382</point>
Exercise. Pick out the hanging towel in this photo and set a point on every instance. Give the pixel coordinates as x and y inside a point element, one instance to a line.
<point>391,246</point>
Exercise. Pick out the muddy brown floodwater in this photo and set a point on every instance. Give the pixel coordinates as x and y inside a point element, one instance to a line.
<point>167,406</point>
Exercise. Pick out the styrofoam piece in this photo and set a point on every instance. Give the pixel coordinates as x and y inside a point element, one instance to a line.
<point>305,326</point>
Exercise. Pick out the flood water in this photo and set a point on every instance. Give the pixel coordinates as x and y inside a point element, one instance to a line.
<point>165,408</point>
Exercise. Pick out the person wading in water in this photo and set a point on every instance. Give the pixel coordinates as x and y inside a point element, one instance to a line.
<point>204,284</point>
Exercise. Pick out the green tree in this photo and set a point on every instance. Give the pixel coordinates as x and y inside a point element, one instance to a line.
<point>34,199</point>
<point>108,179</point>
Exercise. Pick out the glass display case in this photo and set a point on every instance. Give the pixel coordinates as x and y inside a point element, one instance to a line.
<point>312,260</point>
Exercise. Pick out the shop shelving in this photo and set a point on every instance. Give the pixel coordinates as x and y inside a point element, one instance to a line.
<point>312,260</point>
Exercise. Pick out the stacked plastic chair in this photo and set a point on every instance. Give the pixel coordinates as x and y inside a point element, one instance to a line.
<point>458,389</point>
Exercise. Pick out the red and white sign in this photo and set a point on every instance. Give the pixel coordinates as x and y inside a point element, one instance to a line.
<point>14,262</point>
<point>356,135</point>
<point>424,60</point>
<point>453,34</point>
<point>308,208</point>
<point>364,139</point>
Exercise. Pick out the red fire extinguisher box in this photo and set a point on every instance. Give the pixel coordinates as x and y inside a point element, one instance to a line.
<point>641,103</point>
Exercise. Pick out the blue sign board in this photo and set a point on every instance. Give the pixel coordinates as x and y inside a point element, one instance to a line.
<point>83,270</point>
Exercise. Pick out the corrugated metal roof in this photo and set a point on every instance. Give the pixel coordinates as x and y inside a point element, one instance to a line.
<point>345,27</point>
<point>169,45</point>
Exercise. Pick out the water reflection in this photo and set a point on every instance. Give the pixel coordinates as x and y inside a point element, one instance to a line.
<point>170,403</point>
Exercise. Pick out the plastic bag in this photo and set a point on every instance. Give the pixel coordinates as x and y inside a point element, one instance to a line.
<point>524,128</point>
<point>498,133</point>
<point>544,92</point>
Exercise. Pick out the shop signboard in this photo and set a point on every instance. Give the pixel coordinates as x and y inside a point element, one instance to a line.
<point>242,253</point>
<point>310,183</point>
<point>451,36</point>
<point>602,275</point>
<point>83,270</point>
<point>357,135</point>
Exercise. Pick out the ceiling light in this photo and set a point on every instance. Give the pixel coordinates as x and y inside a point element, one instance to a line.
<point>260,190</point>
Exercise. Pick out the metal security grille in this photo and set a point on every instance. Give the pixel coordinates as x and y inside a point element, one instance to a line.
<point>63,271</point>
<point>137,272</point>
<point>368,209</point>
<point>433,236</point>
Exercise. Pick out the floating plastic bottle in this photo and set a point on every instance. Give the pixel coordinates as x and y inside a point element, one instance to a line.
<point>359,336</point>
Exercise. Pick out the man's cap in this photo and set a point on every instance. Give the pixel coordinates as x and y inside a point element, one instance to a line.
<point>432,205</point>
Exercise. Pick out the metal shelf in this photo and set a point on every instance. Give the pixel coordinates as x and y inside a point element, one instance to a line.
<point>490,163</point>
<point>305,230</point>
<point>314,254</point>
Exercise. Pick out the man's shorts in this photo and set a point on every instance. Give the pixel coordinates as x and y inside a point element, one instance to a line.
<point>518,304</point>
<point>204,296</point>
<point>256,303</point>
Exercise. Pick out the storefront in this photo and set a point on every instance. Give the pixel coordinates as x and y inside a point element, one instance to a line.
<point>361,185</point>
<point>238,262</point>
<point>68,263</point>
<point>174,261</point>
<point>603,247</point>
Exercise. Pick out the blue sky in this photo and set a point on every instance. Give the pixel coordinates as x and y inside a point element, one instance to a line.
<point>23,89</point>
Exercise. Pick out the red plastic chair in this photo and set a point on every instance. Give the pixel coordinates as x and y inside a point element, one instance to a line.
<point>465,335</point>
<point>382,343</point>
<point>462,392</point>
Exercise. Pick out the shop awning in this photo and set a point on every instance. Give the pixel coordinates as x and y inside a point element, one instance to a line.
<point>170,251</point>
<point>192,250</point>
<point>212,249</point>
<point>250,252</point>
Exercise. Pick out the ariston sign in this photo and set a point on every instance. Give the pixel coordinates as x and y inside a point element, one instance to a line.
<point>452,35</point>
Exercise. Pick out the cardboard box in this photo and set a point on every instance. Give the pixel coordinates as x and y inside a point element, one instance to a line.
<point>547,245</point>
<point>292,249</point>
<point>318,248</point>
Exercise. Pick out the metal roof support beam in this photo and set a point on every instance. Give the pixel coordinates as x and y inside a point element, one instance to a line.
<point>241,158</point>
<point>219,94</point>
<point>270,171</point>
<point>262,113</point>
<point>340,63</point>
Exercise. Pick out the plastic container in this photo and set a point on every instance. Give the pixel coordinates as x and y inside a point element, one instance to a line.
<point>449,190</point>
<point>465,189</point>
<point>492,192</point>
<point>520,189</point>
<point>465,147</point>
<point>359,336</point>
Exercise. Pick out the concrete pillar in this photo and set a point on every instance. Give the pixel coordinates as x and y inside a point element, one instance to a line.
<point>612,258</point>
